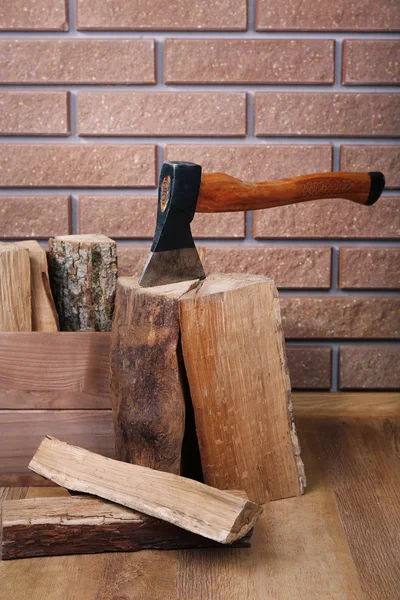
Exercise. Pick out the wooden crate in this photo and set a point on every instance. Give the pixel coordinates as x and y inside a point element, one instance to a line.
<point>56,384</point>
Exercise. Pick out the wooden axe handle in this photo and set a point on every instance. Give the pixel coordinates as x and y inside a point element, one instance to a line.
<point>222,193</point>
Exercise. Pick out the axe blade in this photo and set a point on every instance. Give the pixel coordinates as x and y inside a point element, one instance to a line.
<point>173,256</point>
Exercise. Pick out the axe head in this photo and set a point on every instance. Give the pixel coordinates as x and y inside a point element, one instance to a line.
<point>173,256</point>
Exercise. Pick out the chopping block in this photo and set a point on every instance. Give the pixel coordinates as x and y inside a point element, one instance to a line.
<point>198,369</point>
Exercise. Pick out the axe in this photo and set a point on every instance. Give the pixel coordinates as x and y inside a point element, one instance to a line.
<point>183,190</point>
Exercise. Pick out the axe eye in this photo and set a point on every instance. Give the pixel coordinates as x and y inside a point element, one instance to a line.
<point>165,188</point>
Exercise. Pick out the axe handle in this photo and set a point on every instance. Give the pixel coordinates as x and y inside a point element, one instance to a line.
<point>222,193</point>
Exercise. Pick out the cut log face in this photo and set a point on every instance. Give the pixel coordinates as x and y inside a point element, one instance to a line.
<point>83,276</point>
<point>147,392</point>
<point>79,525</point>
<point>233,350</point>
<point>15,289</point>
<point>44,314</point>
<point>218,515</point>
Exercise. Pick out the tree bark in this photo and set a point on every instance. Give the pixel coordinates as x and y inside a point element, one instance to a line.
<point>83,275</point>
<point>147,387</point>
<point>79,525</point>
<point>221,516</point>
<point>233,349</point>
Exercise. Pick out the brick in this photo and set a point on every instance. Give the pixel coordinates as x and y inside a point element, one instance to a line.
<point>309,367</point>
<point>131,260</point>
<point>77,61</point>
<point>289,267</point>
<point>348,317</point>
<point>219,225</point>
<point>34,113</point>
<point>162,113</point>
<point>371,62</point>
<point>330,219</point>
<point>255,162</point>
<point>314,15</point>
<point>135,216</point>
<point>369,367</point>
<point>77,165</point>
<point>369,268</point>
<point>34,216</point>
<point>327,114</point>
<point>33,15</point>
<point>249,61</point>
<point>373,158</point>
<point>203,15</point>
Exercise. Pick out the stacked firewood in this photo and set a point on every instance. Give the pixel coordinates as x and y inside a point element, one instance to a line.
<point>200,395</point>
<point>73,290</point>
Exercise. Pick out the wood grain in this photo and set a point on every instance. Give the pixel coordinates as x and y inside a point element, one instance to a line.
<point>54,370</point>
<point>234,356</point>
<point>299,551</point>
<point>196,507</point>
<point>147,392</point>
<point>22,431</point>
<point>53,526</point>
<point>44,314</point>
<point>343,404</point>
<point>15,289</point>
<point>222,193</point>
<point>363,465</point>
<point>287,561</point>
<point>83,276</point>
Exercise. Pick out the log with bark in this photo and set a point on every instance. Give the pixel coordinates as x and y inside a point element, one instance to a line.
<point>83,275</point>
<point>82,525</point>
<point>196,507</point>
<point>147,389</point>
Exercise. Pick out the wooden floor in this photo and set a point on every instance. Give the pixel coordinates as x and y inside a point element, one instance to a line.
<point>340,541</point>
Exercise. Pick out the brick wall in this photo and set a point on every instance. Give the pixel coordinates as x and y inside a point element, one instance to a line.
<point>94,95</point>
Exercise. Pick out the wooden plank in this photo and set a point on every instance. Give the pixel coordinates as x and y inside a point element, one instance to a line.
<point>44,314</point>
<point>147,390</point>
<point>15,289</point>
<point>338,405</point>
<point>54,370</point>
<point>196,507</point>
<point>83,275</point>
<point>233,349</point>
<point>299,551</point>
<point>22,431</point>
<point>79,379</point>
<point>363,463</point>
<point>146,575</point>
<point>54,526</point>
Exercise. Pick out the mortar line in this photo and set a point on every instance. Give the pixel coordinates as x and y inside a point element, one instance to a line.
<point>335,368</point>
<point>324,88</point>
<point>72,21</point>
<point>74,214</point>
<point>204,140</point>
<point>163,34</point>
<point>338,55</point>
<point>251,17</point>
<point>335,269</point>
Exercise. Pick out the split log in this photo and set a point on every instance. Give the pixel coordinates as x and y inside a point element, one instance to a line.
<point>233,349</point>
<point>44,314</point>
<point>15,289</point>
<point>80,525</point>
<point>83,275</point>
<point>196,507</point>
<point>147,391</point>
